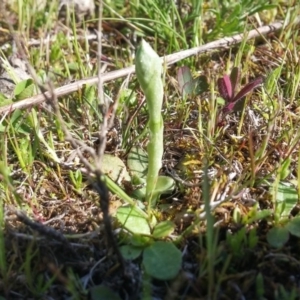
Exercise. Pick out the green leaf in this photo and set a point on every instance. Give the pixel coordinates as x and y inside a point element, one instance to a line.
<point>140,241</point>
<point>189,86</point>
<point>255,215</point>
<point>163,229</point>
<point>56,52</point>
<point>116,189</point>
<point>185,81</point>
<point>259,286</point>
<point>115,168</point>
<point>132,220</point>
<point>278,236</point>
<point>236,241</point>
<point>252,238</point>
<point>164,185</point>
<point>294,226</point>
<point>137,163</point>
<point>101,292</point>
<point>130,252</point>
<point>73,66</point>
<point>24,89</point>
<point>4,100</point>
<point>139,194</point>
<point>286,199</point>
<point>90,94</point>
<point>284,169</point>
<point>162,260</point>
<point>200,85</point>
<point>17,121</point>
<point>272,80</point>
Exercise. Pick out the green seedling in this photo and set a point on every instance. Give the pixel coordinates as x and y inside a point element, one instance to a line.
<point>19,137</point>
<point>24,89</point>
<point>241,240</point>
<point>161,259</point>
<point>285,198</point>
<point>26,137</point>
<point>259,286</point>
<point>76,178</point>
<point>283,294</point>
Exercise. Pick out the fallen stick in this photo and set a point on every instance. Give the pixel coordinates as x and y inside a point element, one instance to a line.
<point>169,60</point>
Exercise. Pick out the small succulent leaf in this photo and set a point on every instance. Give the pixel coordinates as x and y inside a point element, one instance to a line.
<point>225,88</point>
<point>247,89</point>
<point>162,260</point>
<point>277,237</point>
<point>185,80</point>
<point>235,77</point>
<point>132,220</point>
<point>200,85</point>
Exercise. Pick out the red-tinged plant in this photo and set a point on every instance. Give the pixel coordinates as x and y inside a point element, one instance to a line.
<point>227,89</point>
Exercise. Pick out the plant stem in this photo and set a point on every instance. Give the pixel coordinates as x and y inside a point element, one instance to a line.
<point>148,71</point>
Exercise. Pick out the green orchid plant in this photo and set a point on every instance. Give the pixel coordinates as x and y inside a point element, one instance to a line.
<point>145,167</point>
<point>160,259</point>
